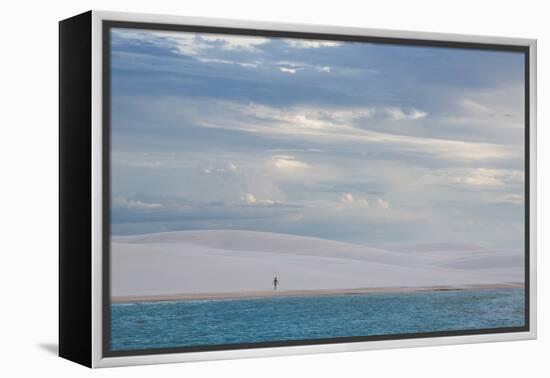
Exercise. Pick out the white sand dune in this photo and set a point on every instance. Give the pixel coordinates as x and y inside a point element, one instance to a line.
<point>226,261</point>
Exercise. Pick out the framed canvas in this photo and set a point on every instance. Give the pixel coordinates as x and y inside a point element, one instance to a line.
<point>237,189</point>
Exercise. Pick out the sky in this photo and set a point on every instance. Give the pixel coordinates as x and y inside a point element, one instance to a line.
<point>373,144</point>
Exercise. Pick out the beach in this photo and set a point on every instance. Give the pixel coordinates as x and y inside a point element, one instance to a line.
<point>304,293</point>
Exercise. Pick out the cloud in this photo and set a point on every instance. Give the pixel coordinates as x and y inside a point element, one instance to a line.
<point>382,204</point>
<point>212,60</point>
<point>192,44</point>
<point>344,126</point>
<point>254,64</point>
<point>321,124</point>
<point>349,199</point>
<point>496,113</point>
<point>293,67</point>
<point>249,64</point>
<point>232,167</point>
<point>290,67</point>
<point>398,114</point>
<point>478,177</point>
<point>218,168</point>
<point>473,106</point>
<point>515,199</point>
<point>310,44</point>
<point>296,68</point>
<point>236,42</point>
<point>288,163</point>
<point>390,113</point>
<point>250,199</point>
<point>179,42</point>
<point>131,204</point>
<point>289,70</point>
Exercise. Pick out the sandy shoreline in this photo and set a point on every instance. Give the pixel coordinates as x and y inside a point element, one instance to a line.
<point>304,293</point>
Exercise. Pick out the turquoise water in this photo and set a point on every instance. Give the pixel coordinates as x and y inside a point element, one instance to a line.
<point>151,325</point>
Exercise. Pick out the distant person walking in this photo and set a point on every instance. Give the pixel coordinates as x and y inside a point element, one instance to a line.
<point>275,283</point>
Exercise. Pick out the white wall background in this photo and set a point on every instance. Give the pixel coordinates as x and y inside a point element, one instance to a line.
<point>28,212</point>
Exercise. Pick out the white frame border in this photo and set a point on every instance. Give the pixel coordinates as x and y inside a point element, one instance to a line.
<point>97,332</point>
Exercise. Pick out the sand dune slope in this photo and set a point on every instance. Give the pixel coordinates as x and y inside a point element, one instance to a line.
<point>246,261</point>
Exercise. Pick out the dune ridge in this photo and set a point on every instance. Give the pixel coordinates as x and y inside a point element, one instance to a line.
<point>230,263</point>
